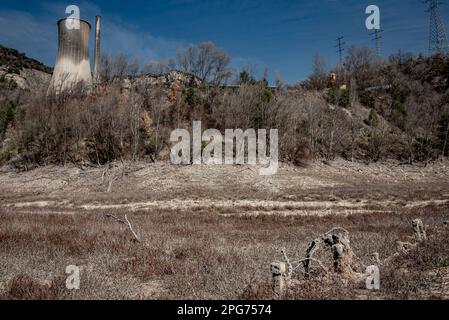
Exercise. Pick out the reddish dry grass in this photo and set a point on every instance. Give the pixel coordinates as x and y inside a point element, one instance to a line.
<point>23,287</point>
<point>195,255</point>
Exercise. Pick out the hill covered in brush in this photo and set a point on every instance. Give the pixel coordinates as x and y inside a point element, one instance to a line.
<point>13,61</point>
<point>366,109</point>
<point>410,92</point>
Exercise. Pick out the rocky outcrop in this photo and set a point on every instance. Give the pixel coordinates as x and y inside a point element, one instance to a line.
<point>168,79</point>
<point>28,79</point>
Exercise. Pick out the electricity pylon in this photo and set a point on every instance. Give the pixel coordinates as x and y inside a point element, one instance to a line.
<point>437,36</point>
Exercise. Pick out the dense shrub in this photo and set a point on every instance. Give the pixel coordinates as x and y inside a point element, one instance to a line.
<point>6,116</point>
<point>80,127</point>
<point>370,111</point>
<point>112,123</point>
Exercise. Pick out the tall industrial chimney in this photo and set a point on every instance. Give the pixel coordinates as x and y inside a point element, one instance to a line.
<point>97,52</point>
<point>73,62</point>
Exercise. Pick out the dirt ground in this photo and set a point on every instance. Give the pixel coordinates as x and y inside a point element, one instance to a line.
<point>206,232</point>
<point>141,186</point>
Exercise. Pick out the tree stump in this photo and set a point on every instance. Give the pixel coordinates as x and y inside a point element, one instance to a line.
<point>404,247</point>
<point>279,272</point>
<point>420,230</point>
<point>376,259</point>
<point>345,262</point>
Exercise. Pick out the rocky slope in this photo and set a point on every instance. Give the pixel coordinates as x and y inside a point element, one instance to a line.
<point>19,71</point>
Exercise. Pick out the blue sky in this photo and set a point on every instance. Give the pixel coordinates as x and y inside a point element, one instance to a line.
<point>280,35</point>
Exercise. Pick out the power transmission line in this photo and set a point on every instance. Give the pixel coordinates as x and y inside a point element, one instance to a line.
<point>437,33</point>
<point>340,49</point>
<point>377,38</point>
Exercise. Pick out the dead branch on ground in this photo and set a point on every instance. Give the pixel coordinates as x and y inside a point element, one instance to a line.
<point>127,223</point>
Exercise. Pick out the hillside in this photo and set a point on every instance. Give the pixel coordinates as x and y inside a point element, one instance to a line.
<point>17,71</point>
<point>14,62</point>
<point>372,111</point>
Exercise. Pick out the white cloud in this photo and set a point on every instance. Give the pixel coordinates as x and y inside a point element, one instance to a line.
<point>117,37</point>
<point>22,31</point>
<point>36,35</point>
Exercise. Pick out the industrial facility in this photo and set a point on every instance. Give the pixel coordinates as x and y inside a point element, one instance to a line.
<point>73,60</point>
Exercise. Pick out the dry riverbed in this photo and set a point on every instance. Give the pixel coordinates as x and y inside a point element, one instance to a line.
<point>206,232</point>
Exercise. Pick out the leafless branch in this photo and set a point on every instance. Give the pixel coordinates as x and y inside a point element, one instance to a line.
<point>131,228</point>
<point>115,218</point>
<point>127,223</point>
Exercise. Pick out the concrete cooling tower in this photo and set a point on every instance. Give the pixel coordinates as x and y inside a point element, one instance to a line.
<point>73,62</point>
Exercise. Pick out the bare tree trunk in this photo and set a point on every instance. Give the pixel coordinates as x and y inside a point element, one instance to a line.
<point>312,130</point>
<point>136,115</point>
<point>353,96</point>
<point>156,114</point>
<point>331,142</point>
<point>352,139</point>
<point>410,151</point>
<point>446,140</point>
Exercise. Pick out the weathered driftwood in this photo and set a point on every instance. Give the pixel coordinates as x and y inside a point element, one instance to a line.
<point>115,218</point>
<point>375,259</point>
<point>109,176</point>
<point>313,247</point>
<point>111,181</point>
<point>127,223</point>
<point>136,237</point>
<point>280,279</point>
<point>404,247</point>
<point>289,265</point>
<point>420,235</point>
<point>420,230</point>
<point>345,262</point>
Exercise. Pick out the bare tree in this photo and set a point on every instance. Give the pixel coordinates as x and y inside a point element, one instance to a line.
<point>358,58</point>
<point>156,68</point>
<point>117,67</point>
<point>281,84</point>
<point>133,67</point>
<point>106,67</point>
<point>120,65</point>
<point>207,62</point>
<point>361,65</point>
<point>318,78</point>
<point>353,98</point>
